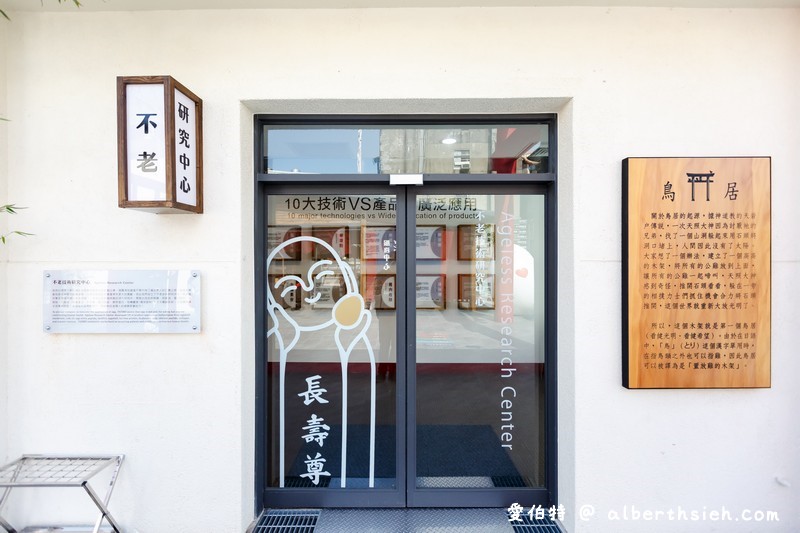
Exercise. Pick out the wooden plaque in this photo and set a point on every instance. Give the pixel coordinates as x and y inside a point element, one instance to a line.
<point>288,299</point>
<point>379,243</point>
<point>431,243</point>
<point>277,235</point>
<point>431,291</point>
<point>475,242</point>
<point>338,237</point>
<point>475,293</point>
<point>696,277</point>
<point>380,290</point>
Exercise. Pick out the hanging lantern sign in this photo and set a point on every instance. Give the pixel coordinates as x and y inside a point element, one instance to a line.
<point>159,145</point>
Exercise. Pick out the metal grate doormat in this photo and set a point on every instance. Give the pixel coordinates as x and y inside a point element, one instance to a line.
<point>511,481</point>
<point>288,521</point>
<point>300,482</point>
<point>535,525</point>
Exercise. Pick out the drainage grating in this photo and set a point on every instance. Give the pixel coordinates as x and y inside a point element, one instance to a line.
<point>301,482</point>
<point>436,520</point>
<point>536,525</point>
<point>511,481</point>
<point>288,521</point>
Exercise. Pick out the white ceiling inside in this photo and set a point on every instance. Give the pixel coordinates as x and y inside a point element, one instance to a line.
<point>152,5</point>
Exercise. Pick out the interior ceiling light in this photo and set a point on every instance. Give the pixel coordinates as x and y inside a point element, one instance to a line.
<point>450,139</point>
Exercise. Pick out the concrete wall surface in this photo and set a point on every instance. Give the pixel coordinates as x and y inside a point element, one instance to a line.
<point>624,82</point>
<point>3,256</point>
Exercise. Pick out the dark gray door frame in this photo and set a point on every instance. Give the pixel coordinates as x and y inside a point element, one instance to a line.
<point>476,497</point>
<point>406,493</point>
<point>348,497</point>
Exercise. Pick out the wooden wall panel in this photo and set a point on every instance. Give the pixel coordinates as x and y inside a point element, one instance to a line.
<point>696,272</point>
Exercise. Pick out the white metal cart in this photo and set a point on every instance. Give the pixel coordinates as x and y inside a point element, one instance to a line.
<point>61,471</point>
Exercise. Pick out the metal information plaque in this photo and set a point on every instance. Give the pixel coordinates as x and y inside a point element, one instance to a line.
<point>121,301</point>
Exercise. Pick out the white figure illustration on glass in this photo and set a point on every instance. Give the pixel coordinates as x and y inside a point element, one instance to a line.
<point>348,314</point>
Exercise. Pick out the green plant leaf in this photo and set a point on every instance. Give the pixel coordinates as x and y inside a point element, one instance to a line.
<point>5,16</point>
<point>20,233</point>
<point>11,209</point>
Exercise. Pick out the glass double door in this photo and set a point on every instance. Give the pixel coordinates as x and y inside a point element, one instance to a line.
<point>405,346</point>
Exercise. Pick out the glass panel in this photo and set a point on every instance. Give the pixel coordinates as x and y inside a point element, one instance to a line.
<point>480,341</point>
<point>331,340</point>
<point>464,149</point>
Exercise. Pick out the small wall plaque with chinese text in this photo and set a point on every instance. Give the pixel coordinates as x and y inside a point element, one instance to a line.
<point>121,301</point>
<point>696,272</point>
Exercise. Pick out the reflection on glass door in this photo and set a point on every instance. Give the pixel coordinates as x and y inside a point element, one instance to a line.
<point>474,301</point>
<point>331,305</point>
<point>480,391</point>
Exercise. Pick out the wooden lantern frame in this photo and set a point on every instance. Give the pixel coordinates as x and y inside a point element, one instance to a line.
<point>171,204</point>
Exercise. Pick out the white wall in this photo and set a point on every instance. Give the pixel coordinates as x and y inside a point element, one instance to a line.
<point>626,82</point>
<point>3,257</point>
